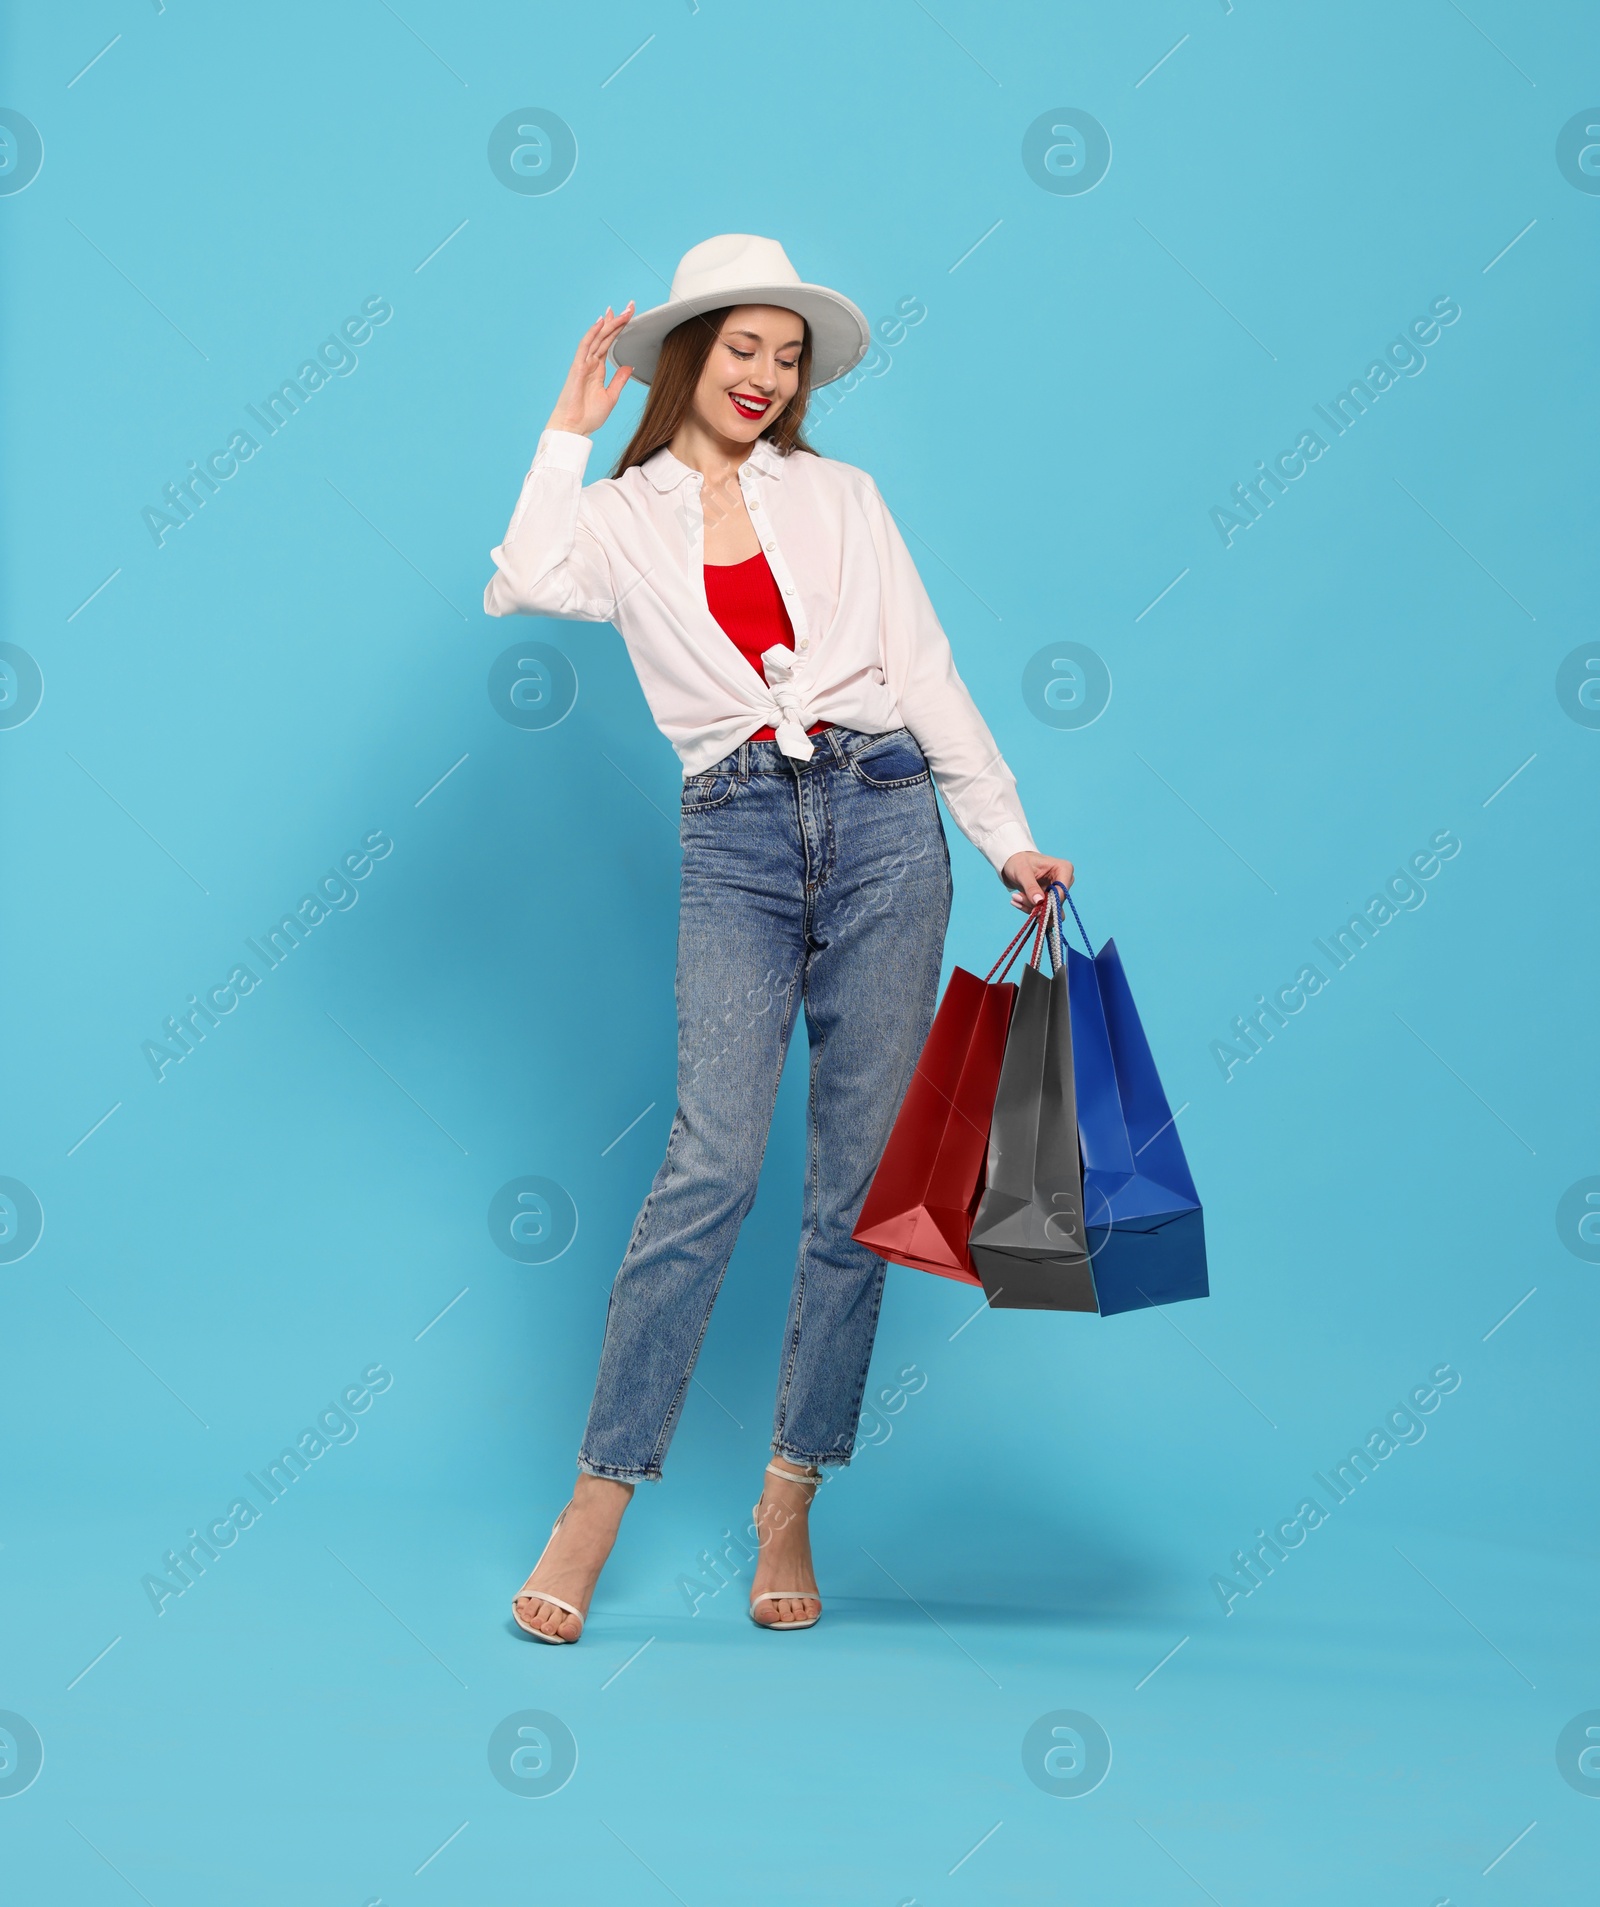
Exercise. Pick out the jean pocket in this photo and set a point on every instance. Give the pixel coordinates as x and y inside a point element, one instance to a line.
<point>894,762</point>
<point>701,792</point>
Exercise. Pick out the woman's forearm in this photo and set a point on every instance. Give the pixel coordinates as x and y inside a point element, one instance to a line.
<point>547,564</point>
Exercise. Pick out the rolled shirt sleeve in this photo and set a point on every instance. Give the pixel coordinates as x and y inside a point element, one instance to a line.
<point>936,706</point>
<point>550,562</point>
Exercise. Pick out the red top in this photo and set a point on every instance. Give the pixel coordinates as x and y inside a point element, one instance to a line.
<point>746,601</point>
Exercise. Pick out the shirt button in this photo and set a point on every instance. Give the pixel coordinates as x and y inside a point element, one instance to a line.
<point>805,642</point>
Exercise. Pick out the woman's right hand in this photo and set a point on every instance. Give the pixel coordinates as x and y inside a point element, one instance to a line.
<point>586,400</point>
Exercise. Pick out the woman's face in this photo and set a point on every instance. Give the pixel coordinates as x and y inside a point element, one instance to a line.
<point>752,373</point>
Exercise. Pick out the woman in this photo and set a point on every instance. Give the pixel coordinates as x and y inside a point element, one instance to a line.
<point>789,652</point>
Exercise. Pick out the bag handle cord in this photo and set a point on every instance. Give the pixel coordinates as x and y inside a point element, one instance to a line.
<point>1046,925</point>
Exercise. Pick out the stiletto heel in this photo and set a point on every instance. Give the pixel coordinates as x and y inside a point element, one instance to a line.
<point>812,1478</point>
<point>543,1595</point>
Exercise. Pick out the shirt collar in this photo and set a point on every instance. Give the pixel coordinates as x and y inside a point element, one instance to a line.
<point>764,460</point>
<point>666,471</point>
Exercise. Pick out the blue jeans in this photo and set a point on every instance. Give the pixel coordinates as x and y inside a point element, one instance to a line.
<point>825,882</point>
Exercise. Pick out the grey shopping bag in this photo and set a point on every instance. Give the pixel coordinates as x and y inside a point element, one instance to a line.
<point>1028,1240</point>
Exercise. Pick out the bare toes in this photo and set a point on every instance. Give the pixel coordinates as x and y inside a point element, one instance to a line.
<point>536,1613</point>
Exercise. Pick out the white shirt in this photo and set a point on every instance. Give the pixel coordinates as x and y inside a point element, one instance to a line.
<point>868,651</point>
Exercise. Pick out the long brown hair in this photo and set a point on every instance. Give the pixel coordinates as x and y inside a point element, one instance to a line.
<point>684,351</point>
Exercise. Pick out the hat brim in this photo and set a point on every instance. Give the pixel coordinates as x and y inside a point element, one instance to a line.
<point>839,330</point>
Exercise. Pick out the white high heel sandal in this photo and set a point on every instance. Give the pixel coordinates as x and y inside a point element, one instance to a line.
<point>812,1478</point>
<point>543,1595</point>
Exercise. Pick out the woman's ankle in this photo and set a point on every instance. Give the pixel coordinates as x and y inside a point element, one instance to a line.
<point>607,1494</point>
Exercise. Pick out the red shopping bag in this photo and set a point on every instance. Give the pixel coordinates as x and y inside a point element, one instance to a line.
<point>918,1209</point>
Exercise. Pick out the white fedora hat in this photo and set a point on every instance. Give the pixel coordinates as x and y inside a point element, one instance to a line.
<point>737,269</point>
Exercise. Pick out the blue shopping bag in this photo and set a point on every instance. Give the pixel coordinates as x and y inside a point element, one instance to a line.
<point>1142,1216</point>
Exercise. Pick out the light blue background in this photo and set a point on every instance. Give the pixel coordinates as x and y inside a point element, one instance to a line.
<point>1036,1528</point>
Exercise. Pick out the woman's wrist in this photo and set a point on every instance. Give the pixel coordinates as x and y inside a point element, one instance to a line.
<point>572,428</point>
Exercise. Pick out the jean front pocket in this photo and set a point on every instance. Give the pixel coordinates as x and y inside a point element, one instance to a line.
<point>893,762</point>
<point>701,792</point>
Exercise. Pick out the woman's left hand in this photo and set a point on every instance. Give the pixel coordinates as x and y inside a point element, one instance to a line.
<point>1030,874</point>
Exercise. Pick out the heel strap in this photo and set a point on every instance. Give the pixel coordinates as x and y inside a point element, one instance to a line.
<point>812,1477</point>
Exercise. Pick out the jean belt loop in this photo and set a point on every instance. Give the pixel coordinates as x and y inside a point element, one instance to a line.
<point>744,760</point>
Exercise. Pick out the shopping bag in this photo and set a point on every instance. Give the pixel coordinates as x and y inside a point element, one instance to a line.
<point>918,1209</point>
<point>1142,1216</point>
<point>1028,1240</point>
